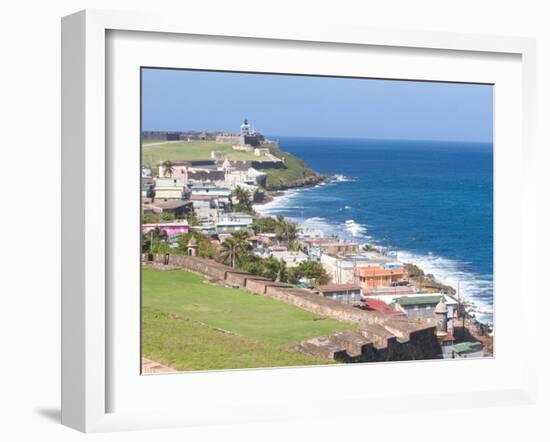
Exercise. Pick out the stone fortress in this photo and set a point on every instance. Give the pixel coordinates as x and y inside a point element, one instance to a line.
<point>378,337</point>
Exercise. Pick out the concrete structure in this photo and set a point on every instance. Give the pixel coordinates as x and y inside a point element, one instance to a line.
<point>167,188</point>
<point>206,207</point>
<point>291,259</point>
<point>147,187</point>
<point>441,318</point>
<point>192,247</point>
<point>222,194</point>
<point>342,267</point>
<point>178,171</point>
<point>233,221</point>
<point>377,276</point>
<point>145,172</point>
<point>329,246</point>
<point>344,293</point>
<point>246,137</point>
<point>261,152</point>
<point>425,310</point>
<point>250,176</point>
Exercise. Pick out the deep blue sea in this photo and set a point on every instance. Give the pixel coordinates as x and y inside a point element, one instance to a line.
<point>430,203</point>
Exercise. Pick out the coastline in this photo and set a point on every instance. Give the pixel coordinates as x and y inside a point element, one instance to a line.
<point>473,326</point>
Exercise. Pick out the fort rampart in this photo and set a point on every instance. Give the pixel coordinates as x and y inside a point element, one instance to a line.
<point>378,337</point>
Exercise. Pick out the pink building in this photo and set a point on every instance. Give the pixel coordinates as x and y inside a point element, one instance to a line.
<point>171,229</point>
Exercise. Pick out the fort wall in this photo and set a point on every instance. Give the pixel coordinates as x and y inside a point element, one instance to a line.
<point>378,337</point>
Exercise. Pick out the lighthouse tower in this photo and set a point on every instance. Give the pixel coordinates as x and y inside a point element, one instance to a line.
<point>245,128</point>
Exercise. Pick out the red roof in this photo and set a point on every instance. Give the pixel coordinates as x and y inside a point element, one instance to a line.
<point>377,305</point>
<point>449,337</point>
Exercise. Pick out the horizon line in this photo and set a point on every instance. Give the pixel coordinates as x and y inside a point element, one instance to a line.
<point>439,140</point>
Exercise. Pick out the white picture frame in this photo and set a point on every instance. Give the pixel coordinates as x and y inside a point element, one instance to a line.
<point>87,315</point>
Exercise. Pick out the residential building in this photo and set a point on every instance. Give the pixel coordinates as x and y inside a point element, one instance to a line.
<point>206,208</point>
<point>377,305</point>
<point>166,188</point>
<point>233,221</point>
<point>468,350</point>
<point>147,187</point>
<point>171,229</point>
<point>291,259</point>
<point>421,306</point>
<point>378,276</point>
<point>222,194</point>
<point>318,246</point>
<point>145,172</point>
<point>177,171</point>
<point>178,208</point>
<point>344,293</point>
<point>343,268</point>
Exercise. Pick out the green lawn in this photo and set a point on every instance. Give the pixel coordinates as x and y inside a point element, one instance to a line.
<point>294,175</point>
<point>191,325</point>
<point>154,154</point>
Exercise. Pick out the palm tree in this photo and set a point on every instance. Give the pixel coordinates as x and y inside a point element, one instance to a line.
<point>245,199</point>
<point>285,230</point>
<point>281,272</point>
<point>168,168</point>
<point>232,248</point>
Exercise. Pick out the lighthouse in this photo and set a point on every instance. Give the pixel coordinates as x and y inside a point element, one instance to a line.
<point>245,128</point>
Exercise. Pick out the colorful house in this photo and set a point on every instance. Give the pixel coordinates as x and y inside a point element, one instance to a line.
<point>171,229</point>
<point>166,188</point>
<point>378,276</point>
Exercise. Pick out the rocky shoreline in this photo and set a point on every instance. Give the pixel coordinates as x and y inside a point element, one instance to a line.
<point>419,278</point>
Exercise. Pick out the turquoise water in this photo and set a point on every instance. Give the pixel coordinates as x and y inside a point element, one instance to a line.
<point>430,203</point>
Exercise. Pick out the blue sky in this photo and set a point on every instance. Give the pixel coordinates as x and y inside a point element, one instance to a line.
<point>280,105</point>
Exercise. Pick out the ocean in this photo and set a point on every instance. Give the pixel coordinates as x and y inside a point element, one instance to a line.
<point>429,203</point>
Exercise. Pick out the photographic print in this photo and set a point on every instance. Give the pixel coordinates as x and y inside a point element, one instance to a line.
<point>297,220</point>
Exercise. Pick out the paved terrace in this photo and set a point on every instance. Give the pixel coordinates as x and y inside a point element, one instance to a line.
<point>379,337</point>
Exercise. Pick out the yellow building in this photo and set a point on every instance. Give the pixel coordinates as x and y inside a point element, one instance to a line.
<point>169,188</point>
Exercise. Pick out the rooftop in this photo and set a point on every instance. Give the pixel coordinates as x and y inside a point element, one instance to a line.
<point>467,347</point>
<point>418,300</point>
<point>166,203</point>
<point>380,306</point>
<point>338,287</point>
<point>168,182</point>
<point>378,271</point>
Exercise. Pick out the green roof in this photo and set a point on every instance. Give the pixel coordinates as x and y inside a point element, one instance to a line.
<point>418,300</point>
<point>467,347</point>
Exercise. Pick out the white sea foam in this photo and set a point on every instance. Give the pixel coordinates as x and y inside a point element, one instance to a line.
<point>341,178</point>
<point>476,288</point>
<point>355,229</point>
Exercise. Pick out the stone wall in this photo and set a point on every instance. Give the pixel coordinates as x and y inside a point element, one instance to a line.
<point>378,337</point>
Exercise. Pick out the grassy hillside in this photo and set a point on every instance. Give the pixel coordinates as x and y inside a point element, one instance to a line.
<point>296,174</point>
<point>153,153</point>
<point>192,325</point>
